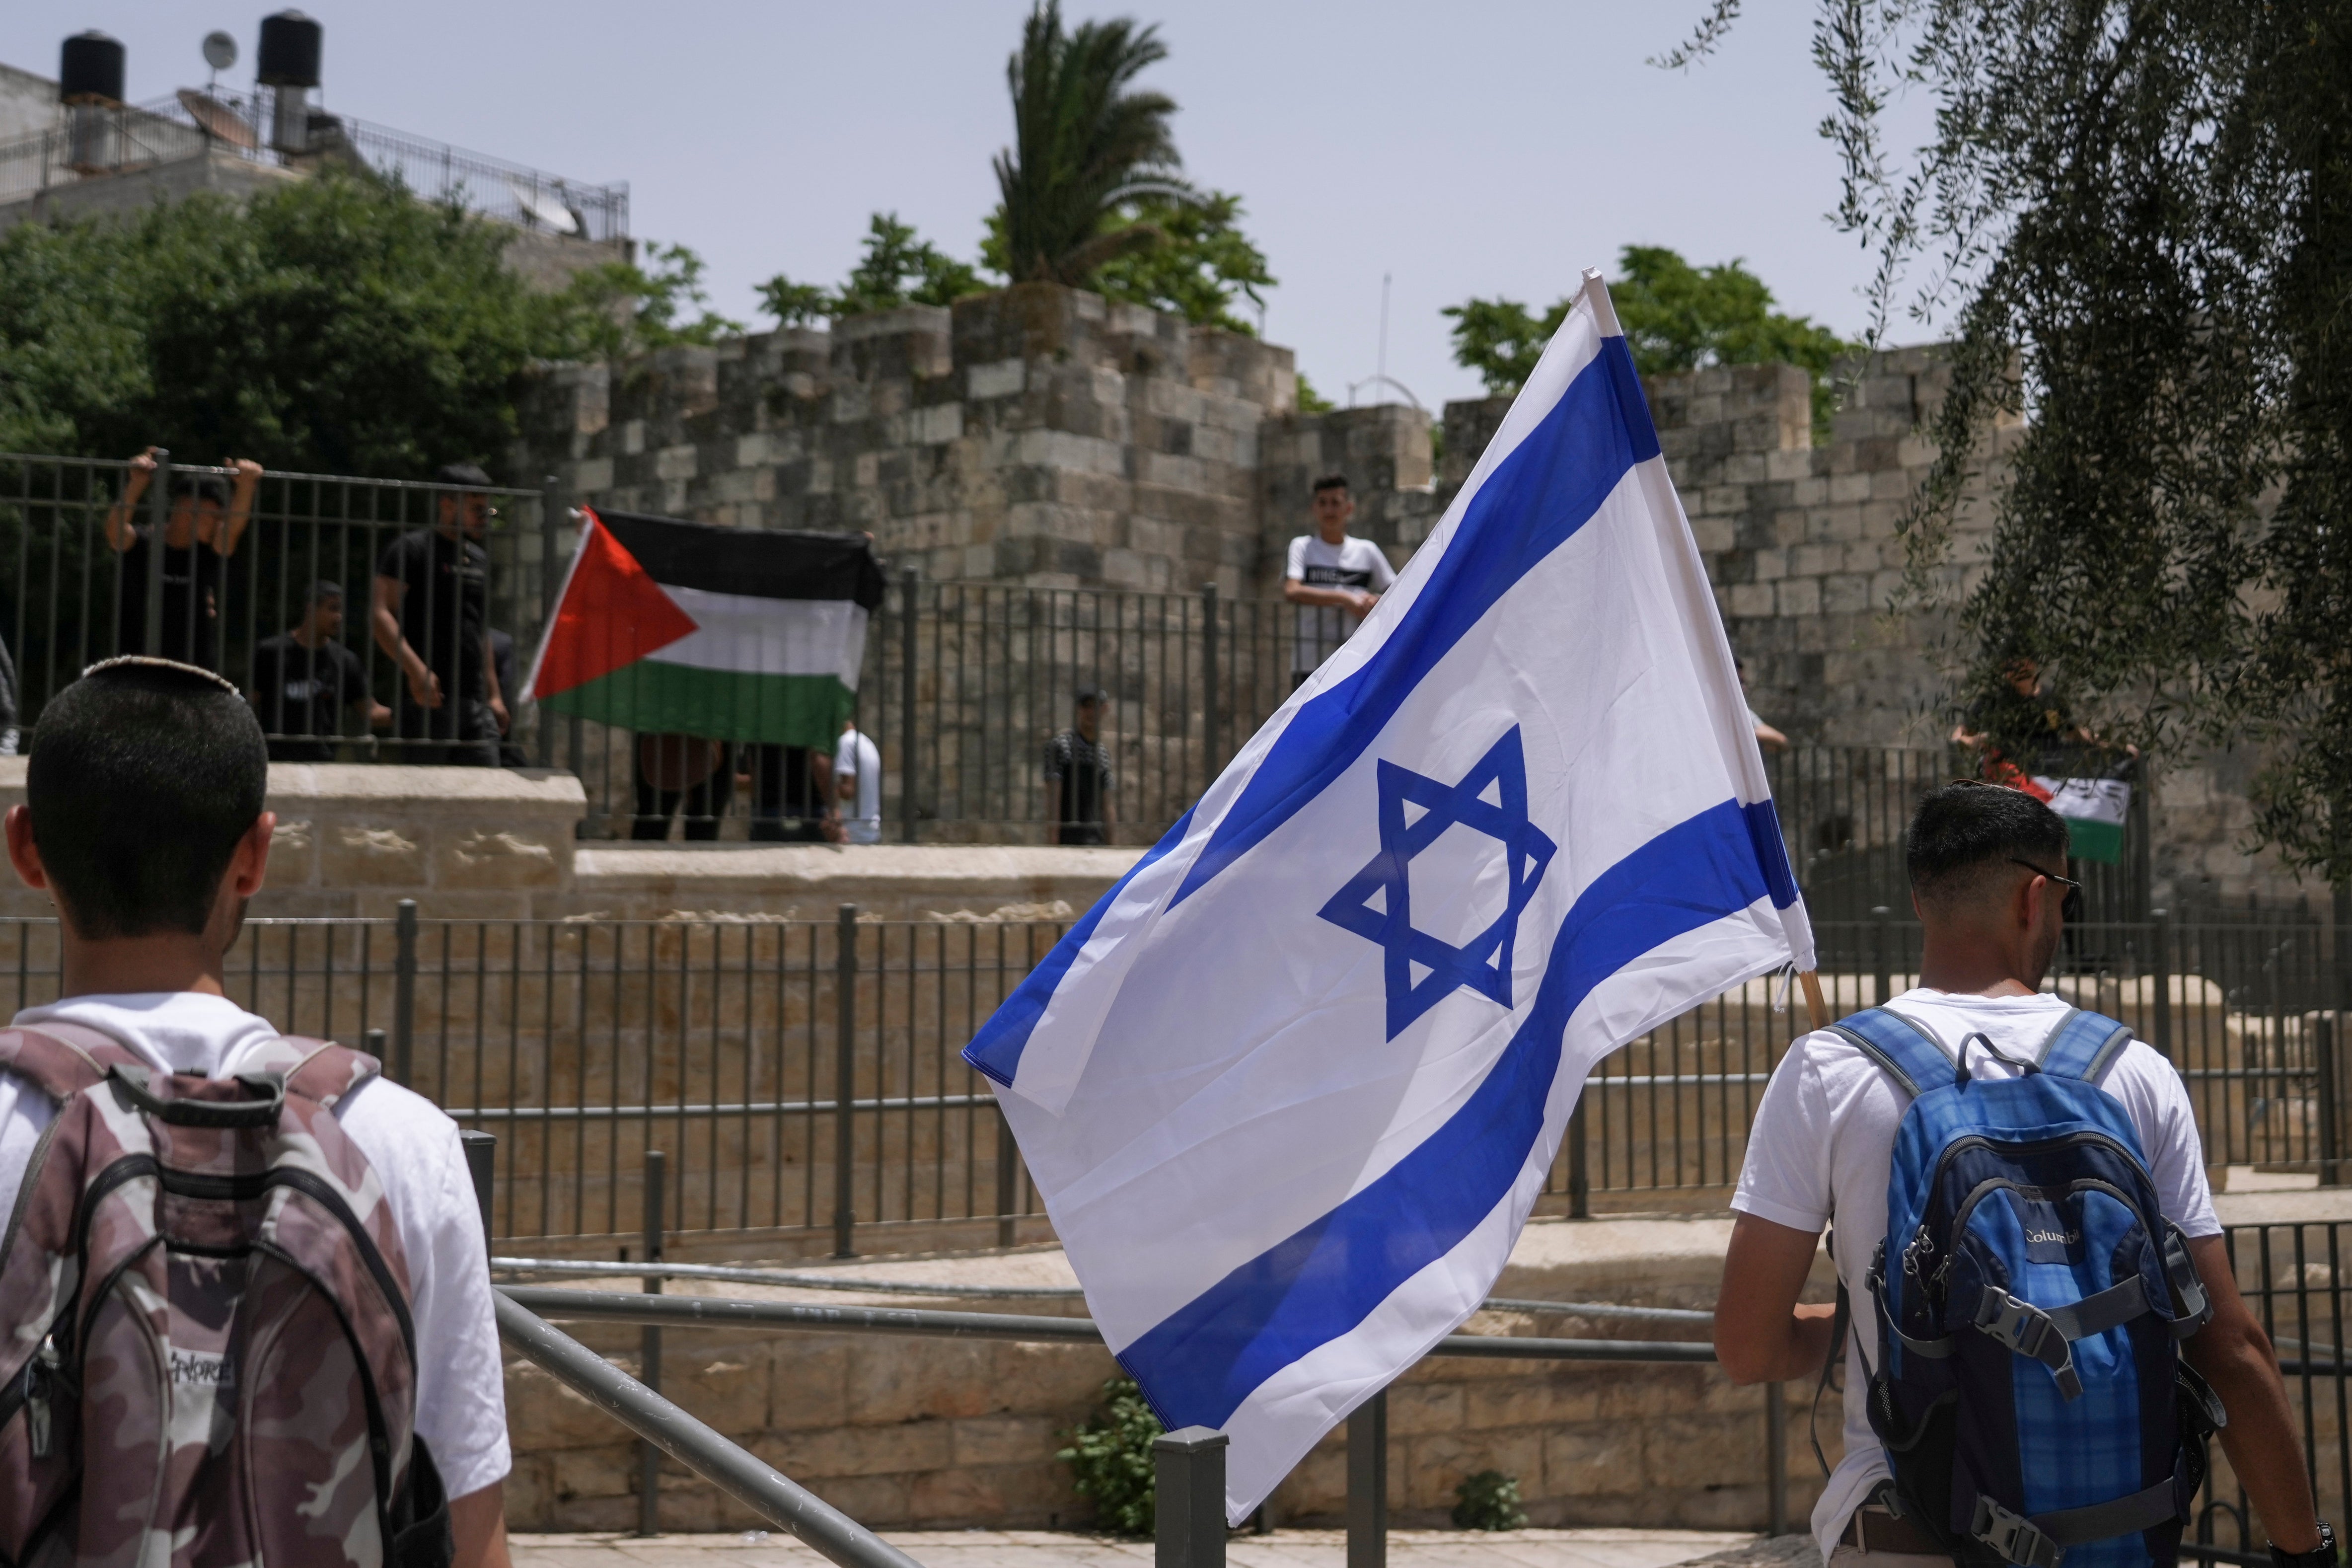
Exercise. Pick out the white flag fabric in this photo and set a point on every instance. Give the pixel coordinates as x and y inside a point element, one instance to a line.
<point>1290,1090</point>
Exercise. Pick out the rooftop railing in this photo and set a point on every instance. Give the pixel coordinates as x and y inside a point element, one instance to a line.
<point>95,142</point>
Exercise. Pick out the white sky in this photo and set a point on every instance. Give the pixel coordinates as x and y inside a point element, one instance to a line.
<point>1475,148</point>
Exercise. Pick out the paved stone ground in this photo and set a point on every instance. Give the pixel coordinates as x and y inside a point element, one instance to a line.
<point>1054,1549</point>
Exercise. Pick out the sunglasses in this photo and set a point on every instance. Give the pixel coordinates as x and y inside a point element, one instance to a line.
<point>2070,909</point>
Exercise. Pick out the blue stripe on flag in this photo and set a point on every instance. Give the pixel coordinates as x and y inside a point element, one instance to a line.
<point>1549,487</point>
<point>1198,1364</point>
<point>1772,853</point>
<point>996,1049</point>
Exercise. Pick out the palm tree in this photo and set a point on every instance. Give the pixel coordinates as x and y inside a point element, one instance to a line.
<point>1083,145</point>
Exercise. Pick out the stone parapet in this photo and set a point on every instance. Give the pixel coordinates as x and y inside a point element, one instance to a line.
<point>911,1432</point>
<point>811,881</point>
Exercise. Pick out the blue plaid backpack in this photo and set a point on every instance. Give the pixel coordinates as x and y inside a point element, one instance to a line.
<point>2031,1297</point>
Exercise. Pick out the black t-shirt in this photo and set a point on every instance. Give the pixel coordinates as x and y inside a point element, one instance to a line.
<point>192,574</point>
<point>446,607</point>
<point>303,691</point>
<point>1083,769</point>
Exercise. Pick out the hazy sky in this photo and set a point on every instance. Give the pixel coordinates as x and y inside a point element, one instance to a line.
<point>1461,149</point>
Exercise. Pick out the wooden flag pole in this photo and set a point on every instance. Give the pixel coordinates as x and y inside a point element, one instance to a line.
<point>1817,1009</point>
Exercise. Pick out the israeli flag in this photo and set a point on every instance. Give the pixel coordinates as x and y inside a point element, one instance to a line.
<point>1290,1090</point>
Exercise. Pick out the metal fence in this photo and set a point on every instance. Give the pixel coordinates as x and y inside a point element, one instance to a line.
<point>80,582</point>
<point>805,1079</point>
<point>97,140</point>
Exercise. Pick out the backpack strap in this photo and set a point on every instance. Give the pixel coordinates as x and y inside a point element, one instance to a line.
<point>1902,1050</point>
<point>319,1070</point>
<point>63,1059</point>
<point>2082,1045</point>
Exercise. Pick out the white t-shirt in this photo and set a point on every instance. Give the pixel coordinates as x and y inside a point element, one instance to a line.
<point>856,757</point>
<point>461,1406</point>
<point>1351,563</point>
<point>1824,1135</point>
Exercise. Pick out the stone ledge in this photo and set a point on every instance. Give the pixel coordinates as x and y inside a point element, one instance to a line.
<point>808,881</point>
<point>535,791</point>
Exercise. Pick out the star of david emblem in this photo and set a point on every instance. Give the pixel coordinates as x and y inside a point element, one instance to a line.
<point>1377,902</point>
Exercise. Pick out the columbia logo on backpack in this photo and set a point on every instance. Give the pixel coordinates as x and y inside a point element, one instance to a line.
<point>209,1359</point>
<point>2031,1298</point>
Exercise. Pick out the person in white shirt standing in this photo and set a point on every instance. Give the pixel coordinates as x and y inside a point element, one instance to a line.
<point>1334,580</point>
<point>143,824</point>
<point>858,783</point>
<point>1985,867</point>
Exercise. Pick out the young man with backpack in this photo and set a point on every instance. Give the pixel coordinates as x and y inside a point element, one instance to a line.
<point>2044,1326</point>
<point>244,1303</point>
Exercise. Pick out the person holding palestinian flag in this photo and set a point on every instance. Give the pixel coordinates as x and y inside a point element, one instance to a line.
<point>717,646</point>
<point>2085,780</point>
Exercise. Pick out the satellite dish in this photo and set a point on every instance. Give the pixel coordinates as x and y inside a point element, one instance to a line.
<point>544,208</point>
<point>217,120</point>
<point>220,51</point>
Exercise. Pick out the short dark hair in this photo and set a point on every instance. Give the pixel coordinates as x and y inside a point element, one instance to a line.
<point>469,474</point>
<point>144,773</point>
<point>1090,693</point>
<point>200,487</point>
<point>1331,482</point>
<point>1965,829</point>
<point>324,589</point>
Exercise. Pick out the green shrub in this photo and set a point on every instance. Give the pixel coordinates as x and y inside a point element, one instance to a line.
<point>1489,1500</point>
<point>1109,1458</point>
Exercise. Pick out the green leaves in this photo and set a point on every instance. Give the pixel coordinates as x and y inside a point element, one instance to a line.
<point>335,325</point>
<point>1676,318</point>
<point>1198,262</point>
<point>1085,143</point>
<point>898,267</point>
<point>1110,1459</point>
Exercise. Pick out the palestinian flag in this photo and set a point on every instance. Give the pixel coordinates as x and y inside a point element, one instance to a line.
<point>732,634</point>
<point>2093,797</point>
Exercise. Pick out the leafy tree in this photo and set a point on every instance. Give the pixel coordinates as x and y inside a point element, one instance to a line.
<point>335,325</point>
<point>2136,218</point>
<point>1197,261</point>
<point>898,267</point>
<point>1086,146</point>
<point>1311,401</point>
<point>1676,318</point>
<point>619,308</point>
<point>1111,1462</point>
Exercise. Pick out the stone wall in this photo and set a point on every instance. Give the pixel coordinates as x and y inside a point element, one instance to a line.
<point>913,1432</point>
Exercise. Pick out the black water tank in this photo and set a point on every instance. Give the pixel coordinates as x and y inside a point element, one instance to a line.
<point>91,67</point>
<point>289,50</point>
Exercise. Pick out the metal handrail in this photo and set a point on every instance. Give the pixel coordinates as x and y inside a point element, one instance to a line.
<point>723,1312</point>
<point>734,1469</point>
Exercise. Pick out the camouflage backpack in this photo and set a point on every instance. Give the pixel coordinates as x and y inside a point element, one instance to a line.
<point>207,1358</point>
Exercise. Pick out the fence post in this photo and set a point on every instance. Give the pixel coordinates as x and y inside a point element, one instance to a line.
<point>845,1082</point>
<point>2323,1045</point>
<point>404,997</point>
<point>1579,1173</point>
<point>1882,970</point>
<point>1209,716</point>
<point>906,728</point>
<point>1189,1514</point>
<point>649,1344</point>
<point>482,1165</point>
<point>550,511</point>
<point>1776,1460</point>
<point>159,517</point>
<point>2160,971</point>
<point>1008,1179</point>
<point>1368,1483</point>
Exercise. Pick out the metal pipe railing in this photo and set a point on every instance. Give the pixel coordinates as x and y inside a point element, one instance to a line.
<point>774,1496</point>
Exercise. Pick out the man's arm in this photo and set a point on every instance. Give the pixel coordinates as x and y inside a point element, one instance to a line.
<point>491,684</point>
<point>1354,600</point>
<point>1762,1334</point>
<point>240,504</point>
<point>384,618</point>
<point>122,534</point>
<point>2234,1354</point>
<point>478,1522</point>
